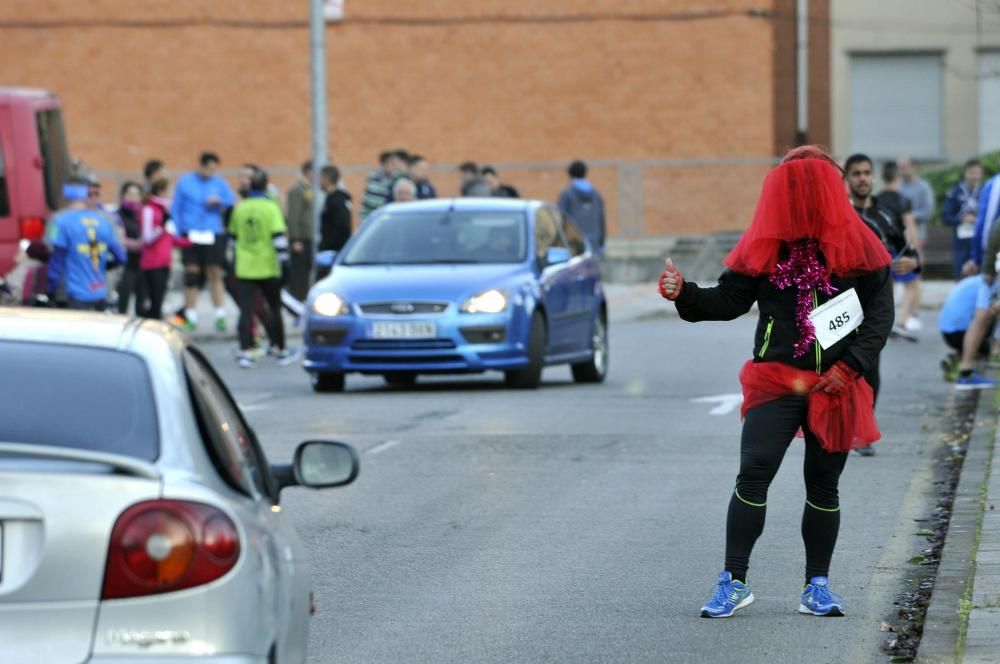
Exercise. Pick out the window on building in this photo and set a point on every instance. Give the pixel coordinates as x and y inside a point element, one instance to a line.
<point>896,105</point>
<point>989,101</point>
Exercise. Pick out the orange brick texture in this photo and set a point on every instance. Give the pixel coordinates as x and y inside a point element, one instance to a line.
<point>495,81</point>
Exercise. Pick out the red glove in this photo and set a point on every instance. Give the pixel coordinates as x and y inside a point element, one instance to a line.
<point>836,379</point>
<point>671,282</point>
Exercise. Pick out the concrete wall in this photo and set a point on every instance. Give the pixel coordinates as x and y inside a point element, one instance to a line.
<point>951,27</point>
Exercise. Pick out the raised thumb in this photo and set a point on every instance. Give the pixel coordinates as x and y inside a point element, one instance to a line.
<point>670,265</point>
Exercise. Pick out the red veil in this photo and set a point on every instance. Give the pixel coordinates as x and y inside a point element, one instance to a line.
<point>805,198</point>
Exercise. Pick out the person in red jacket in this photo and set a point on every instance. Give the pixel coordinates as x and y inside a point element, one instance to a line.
<point>821,282</point>
<point>158,241</point>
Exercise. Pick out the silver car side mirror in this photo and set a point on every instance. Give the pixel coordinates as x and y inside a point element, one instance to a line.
<point>320,464</point>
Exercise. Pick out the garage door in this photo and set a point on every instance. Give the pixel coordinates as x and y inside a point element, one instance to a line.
<point>989,101</point>
<point>896,105</point>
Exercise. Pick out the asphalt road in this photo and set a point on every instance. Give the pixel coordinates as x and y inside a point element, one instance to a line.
<point>585,523</point>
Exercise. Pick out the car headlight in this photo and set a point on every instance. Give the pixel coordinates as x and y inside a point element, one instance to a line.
<point>329,304</point>
<point>490,302</point>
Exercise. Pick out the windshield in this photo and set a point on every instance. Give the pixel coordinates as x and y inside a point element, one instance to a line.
<point>78,397</point>
<point>404,237</point>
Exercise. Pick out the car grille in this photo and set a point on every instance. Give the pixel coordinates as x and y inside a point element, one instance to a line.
<point>404,308</point>
<point>402,344</point>
<point>408,359</point>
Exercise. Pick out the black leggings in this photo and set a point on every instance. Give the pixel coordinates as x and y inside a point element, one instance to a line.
<point>152,291</point>
<point>767,431</point>
<point>247,290</point>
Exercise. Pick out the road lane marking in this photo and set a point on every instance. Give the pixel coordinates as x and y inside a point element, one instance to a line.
<point>727,403</point>
<point>383,446</point>
<point>249,408</point>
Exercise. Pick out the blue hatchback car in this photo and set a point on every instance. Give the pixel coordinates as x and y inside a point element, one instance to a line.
<point>459,286</point>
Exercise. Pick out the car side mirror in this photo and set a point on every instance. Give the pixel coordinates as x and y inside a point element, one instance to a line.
<point>325,258</point>
<point>319,464</point>
<point>556,255</point>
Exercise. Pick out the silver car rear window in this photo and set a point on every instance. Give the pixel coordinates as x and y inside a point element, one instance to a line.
<point>77,397</point>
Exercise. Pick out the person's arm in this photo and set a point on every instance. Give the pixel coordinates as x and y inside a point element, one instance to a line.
<point>910,232</point>
<point>150,231</point>
<point>951,209</point>
<point>114,246</point>
<point>226,196</point>
<point>296,203</point>
<point>875,293</point>
<point>923,207</point>
<point>989,269</point>
<point>601,225</point>
<point>341,225</point>
<point>982,220</point>
<point>564,203</point>
<point>729,299</point>
<point>177,208</point>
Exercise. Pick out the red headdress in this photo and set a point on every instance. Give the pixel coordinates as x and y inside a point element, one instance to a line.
<point>804,198</point>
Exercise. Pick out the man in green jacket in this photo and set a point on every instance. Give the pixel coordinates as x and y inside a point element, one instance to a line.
<point>301,227</point>
<point>261,264</point>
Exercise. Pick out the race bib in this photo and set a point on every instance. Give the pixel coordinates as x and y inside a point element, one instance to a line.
<point>837,318</point>
<point>965,231</point>
<point>201,237</point>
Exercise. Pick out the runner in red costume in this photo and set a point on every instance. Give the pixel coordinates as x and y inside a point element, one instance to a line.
<point>821,282</point>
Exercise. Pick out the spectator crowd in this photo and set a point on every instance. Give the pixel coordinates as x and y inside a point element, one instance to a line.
<point>248,244</point>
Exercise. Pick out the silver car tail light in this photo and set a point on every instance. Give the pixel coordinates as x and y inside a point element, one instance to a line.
<point>161,546</point>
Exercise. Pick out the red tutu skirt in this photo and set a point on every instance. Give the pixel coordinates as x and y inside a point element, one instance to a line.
<point>841,422</point>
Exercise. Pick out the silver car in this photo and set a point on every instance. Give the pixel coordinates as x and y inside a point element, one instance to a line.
<point>139,518</point>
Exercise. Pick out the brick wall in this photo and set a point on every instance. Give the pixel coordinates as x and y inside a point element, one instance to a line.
<point>492,87</point>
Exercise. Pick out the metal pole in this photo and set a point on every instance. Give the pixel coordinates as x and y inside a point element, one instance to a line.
<point>802,69</point>
<point>317,49</point>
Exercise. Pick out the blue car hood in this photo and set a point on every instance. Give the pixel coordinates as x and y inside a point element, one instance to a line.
<point>378,283</point>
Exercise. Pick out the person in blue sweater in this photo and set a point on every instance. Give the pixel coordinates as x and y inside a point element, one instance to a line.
<point>959,212</point>
<point>200,201</point>
<point>82,240</point>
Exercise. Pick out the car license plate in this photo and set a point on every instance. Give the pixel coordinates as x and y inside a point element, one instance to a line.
<point>410,330</point>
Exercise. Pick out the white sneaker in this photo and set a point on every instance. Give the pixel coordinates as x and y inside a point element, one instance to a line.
<point>913,324</point>
<point>903,333</point>
<point>245,360</point>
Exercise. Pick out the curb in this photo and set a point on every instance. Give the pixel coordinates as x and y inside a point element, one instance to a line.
<point>945,627</point>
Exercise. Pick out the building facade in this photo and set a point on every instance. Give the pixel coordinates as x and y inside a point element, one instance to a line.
<point>918,77</point>
<point>681,105</point>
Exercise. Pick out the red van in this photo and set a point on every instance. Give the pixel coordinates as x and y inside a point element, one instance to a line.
<point>34,164</point>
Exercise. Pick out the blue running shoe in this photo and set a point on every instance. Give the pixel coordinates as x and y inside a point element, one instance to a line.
<point>974,382</point>
<point>818,600</point>
<point>729,596</point>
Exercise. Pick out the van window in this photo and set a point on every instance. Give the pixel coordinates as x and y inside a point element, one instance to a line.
<point>52,141</point>
<point>4,195</point>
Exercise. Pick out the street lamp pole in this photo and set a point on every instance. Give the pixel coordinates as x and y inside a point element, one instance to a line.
<point>317,50</point>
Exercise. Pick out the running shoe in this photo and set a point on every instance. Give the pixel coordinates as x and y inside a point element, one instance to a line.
<point>865,451</point>
<point>245,360</point>
<point>188,326</point>
<point>913,324</point>
<point>974,382</point>
<point>901,332</point>
<point>818,600</point>
<point>285,356</point>
<point>177,321</point>
<point>729,596</point>
<point>220,324</point>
